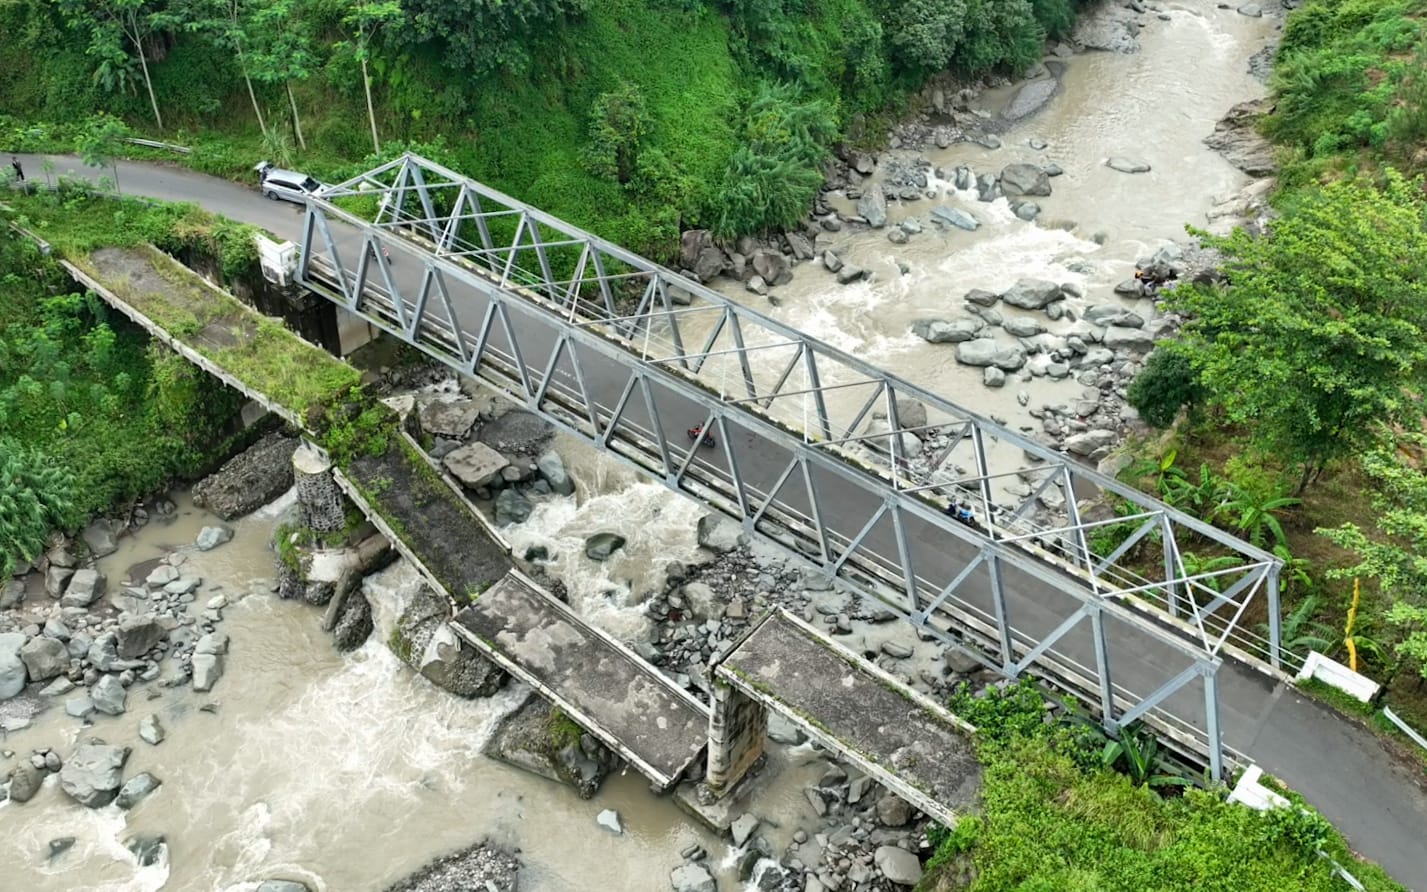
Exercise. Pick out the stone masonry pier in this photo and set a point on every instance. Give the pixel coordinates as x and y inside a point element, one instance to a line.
<point>625,702</point>
<point>908,743</point>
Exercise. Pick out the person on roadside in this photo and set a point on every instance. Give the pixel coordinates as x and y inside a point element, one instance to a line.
<point>19,171</point>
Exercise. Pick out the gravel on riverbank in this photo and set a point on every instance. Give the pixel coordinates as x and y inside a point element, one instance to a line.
<point>484,867</point>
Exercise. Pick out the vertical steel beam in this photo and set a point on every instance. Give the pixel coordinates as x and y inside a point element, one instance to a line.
<point>1275,619</point>
<point>904,552</point>
<point>1102,670</point>
<point>1211,721</point>
<point>1003,619</point>
<point>983,470</point>
<point>1171,560</point>
<point>814,382</point>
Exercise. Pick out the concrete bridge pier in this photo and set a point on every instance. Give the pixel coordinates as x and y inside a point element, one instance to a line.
<point>738,729</point>
<point>320,502</point>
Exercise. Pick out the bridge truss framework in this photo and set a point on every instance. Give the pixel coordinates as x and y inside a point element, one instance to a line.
<point>849,467</point>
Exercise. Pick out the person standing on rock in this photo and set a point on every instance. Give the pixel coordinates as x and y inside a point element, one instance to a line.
<point>19,171</point>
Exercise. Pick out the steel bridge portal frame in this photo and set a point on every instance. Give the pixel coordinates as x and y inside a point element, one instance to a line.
<point>610,308</point>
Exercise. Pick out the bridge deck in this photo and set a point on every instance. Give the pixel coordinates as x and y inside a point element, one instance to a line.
<point>609,691</point>
<point>908,743</point>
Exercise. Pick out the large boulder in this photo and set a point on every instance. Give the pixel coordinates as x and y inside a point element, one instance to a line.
<point>955,217</point>
<point>137,635</point>
<point>250,480</point>
<point>552,469</point>
<point>45,658</point>
<point>136,789</point>
<point>475,465</point>
<point>56,579</point>
<point>537,738</point>
<point>210,538</point>
<point>517,432</point>
<point>983,352</point>
<point>1138,339</point>
<point>207,669</point>
<point>512,507</point>
<point>1127,165</point>
<point>25,781</point>
<point>1237,138</point>
<point>947,331</point>
<point>1031,294</point>
<point>1111,314</point>
<point>600,546</point>
<point>1024,179</point>
<point>12,665</point>
<point>898,865</point>
<point>446,663</point>
<point>85,587</point>
<point>872,206</point>
<point>720,534</point>
<point>692,878</point>
<point>771,266</point>
<point>91,776</point>
<point>1089,441</point>
<point>109,696</point>
<point>99,537</point>
<point>450,419</point>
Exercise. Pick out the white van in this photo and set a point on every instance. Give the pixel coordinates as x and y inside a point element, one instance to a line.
<point>288,185</point>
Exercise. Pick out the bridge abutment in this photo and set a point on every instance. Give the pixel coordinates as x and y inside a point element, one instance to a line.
<point>738,730</point>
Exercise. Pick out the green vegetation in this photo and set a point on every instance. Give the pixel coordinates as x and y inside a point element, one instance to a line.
<point>92,413</point>
<point>1056,817</point>
<point>1303,373</point>
<point>629,117</point>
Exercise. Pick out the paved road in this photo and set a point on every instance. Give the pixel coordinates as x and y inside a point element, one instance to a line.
<point>1342,770</point>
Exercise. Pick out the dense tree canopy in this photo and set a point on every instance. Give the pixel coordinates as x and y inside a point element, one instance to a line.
<point>1319,343</point>
<point>481,36</point>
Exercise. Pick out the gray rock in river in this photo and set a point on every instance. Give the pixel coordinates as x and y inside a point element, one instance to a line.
<point>207,669</point>
<point>136,789</point>
<point>987,352</point>
<point>898,865</point>
<point>692,878</point>
<point>109,695</point>
<point>552,468</point>
<point>1024,179</point>
<point>512,507</point>
<point>44,658</point>
<point>250,480</point>
<point>872,206</point>
<point>85,587</point>
<point>1126,165</point>
<point>955,217</point>
<point>719,534</point>
<point>91,776</point>
<point>210,538</point>
<point>25,781</point>
<point>944,331</point>
<point>99,538</point>
<point>137,635</point>
<point>1031,294</point>
<point>452,420</point>
<point>151,730</point>
<point>475,465</point>
<point>12,666</point>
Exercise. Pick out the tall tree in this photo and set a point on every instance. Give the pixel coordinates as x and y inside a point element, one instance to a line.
<point>1319,343</point>
<point>364,23</point>
<point>481,36</point>
<point>281,52</point>
<point>118,32</point>
<point>100,141</point>
<point>228,23</point>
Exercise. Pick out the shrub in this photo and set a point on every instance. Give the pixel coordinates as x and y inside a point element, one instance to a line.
<point>1166,384</point>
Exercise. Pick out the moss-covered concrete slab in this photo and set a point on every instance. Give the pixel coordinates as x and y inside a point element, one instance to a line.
<point>907,742</point>
<point>598,682</point>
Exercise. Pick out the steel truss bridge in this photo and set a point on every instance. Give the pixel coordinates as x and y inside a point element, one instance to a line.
<point>1081,581</point>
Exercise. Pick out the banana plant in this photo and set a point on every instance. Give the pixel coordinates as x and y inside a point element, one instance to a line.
<point>1135,753</point>
<point>1254,513</point>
